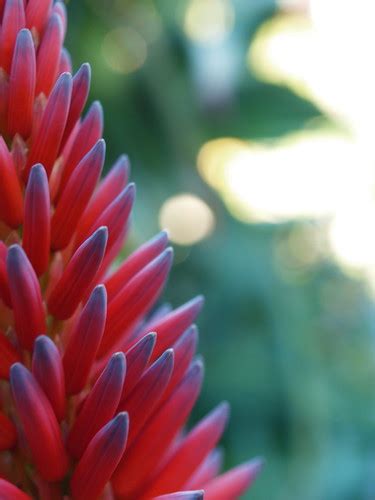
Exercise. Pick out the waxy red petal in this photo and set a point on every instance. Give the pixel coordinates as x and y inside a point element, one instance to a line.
<point>11,202</point>
<point>39,424</point>
<point>110,187</point>
<point>190,453</point>
<point>206,471</point>
<point>100,459</point>
<point>36,228</point>
<point>22,86</point>
<point>84,341</point>
<point>233,483</point>
<point>13,22</point>
<point>78,275</point>
<point>99,406</point>
<point>184,351</point>
<point>155,438</point>
<point>135,299</point>
<point>60,9</point>
<point>172,325</point>
<point>4,287</point>
<point>65,66</point>
<point>147,393</point>
<point>26,297</point>
<point>37,12</point>
<point>76,195</point>
<point>48,57</point>
<point>9,491</point>
<point>8,356</point>
<point>80,92</point>
<point>46,144</point>
<point>8,433</point>
<point>182,495</point>
<point>115,216</point>
<point>135,263</point>
<point>48,370</point>
<point>89,132</point>
<point>137,359</point>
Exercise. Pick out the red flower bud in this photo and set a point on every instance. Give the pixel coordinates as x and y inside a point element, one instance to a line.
<point>147,393</point>
<point>100,459</point>
<point>110,187</point>
<point>22,86</point>
<point>89,132</point>
<point>13,21</point>
<point>139,295</point>
<point>99,406</point>
<point>78,275</point>
<point>39,423</point>
<point>37,12</point>
<point>206,471</point>
<point>233,483</point>
<point>47,140</point>
<point>36,229</point>
<point>172,325</point>
<point>80,92</point>
<point>10,492</point>
<point>84,341</point>
<point>182,495</point>
<point>49,55</point>
<point>48,370</point>
<point>11,203</point>
<point>137,359</point>
<point>76,195</point>
<point>130,478</point>
<point>26,297</point>
<point>190,452</point>
<point>135,263</point>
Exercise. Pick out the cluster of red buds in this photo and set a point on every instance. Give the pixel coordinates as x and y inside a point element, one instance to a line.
<point>96,385</point>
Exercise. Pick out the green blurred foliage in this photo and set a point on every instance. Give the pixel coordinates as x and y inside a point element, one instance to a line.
<point>291,347</point>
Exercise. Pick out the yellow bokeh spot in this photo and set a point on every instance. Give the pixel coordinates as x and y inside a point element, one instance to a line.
<point>187,218</point>
<point>124,50</point>
<point>208,21</point>
<point>306,174</point>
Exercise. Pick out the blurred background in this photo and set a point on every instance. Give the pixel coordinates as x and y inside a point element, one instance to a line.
<point>249,125</point>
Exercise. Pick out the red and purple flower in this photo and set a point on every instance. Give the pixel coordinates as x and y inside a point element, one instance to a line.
<point>95,389</point>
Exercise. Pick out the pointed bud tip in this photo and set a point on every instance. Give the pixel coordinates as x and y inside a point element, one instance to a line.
<point>130,190</point>
<point>96,107</point>
<point>85,69</point>
<point>16,373</point>
<point>121,166</point>
<point>198,302</point>
<point>24,37</point>
<point>15,254</point>
<point>100,291</point>
<point>43,342</point>
<point>222,410</point>
<point>118,362</point>
<point>167,255</point>
<point>99,147</point>
<point>255,465</point>
<point>196,369</point>
<point>101,234</point>
<point>37,173</point>
<point>167,356</point>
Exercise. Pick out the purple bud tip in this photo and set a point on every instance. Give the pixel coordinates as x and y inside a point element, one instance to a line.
<point>15,256</point>
<point>17,376</point>
<point>24,37</point>
<point>43,346</point>
<point>117,363</point>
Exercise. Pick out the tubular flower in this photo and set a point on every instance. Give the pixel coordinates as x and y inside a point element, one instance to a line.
<point>96,389</point>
